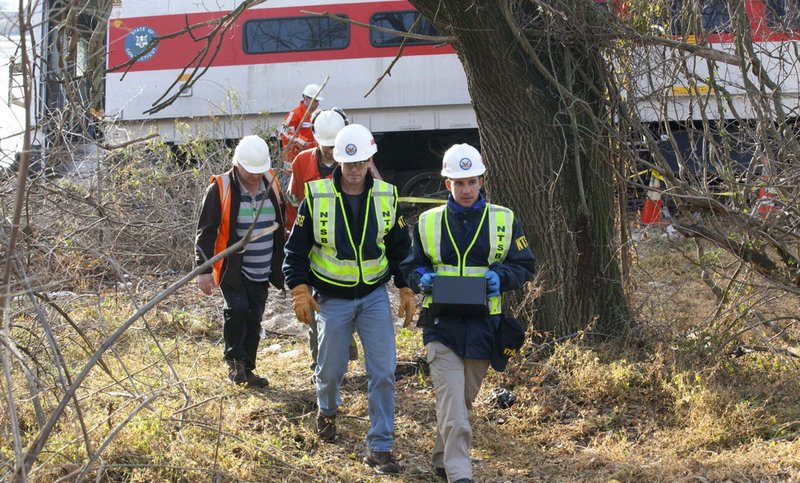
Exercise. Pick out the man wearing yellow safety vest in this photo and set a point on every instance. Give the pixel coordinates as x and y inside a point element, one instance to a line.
<point>246,196</point>
<point>347,241</point>
<point>466,237</point>
<point>310,165</point>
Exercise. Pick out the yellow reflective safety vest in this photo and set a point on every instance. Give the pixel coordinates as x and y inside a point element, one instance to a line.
<point>435,234</point>
<point>335,258</point>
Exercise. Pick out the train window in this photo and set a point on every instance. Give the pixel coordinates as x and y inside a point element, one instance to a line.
<point>714,16</point>
<point>675,24</point>
<point>263,36</point>
<point>783,15</point>
<point>402,22</point>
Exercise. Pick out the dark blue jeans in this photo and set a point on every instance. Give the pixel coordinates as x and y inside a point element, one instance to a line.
<point>244,307</point>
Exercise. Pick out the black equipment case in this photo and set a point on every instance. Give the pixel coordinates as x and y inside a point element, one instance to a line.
<point>459,296</point>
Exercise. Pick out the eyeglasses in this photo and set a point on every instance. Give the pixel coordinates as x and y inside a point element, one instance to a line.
<point>356,165</point>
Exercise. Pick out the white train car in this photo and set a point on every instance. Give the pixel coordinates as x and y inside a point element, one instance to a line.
<point>256,69</point>
<point>676,92</point>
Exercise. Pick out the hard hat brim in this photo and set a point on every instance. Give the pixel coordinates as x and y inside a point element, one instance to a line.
<point>338,157</point>
<point>465,174</point>
<point>327,142</point>
<point>254,169</point>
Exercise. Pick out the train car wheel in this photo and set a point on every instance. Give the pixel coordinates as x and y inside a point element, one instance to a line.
<point>428,185</point>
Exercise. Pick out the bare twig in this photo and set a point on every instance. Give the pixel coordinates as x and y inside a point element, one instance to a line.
<point>388,70</point>
<point>37,444</point>
<point>110,436</point>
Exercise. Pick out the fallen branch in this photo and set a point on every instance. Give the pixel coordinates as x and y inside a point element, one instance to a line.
<point>743,350</point>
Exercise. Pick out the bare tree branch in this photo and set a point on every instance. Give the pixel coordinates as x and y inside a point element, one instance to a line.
<point>37,444</point>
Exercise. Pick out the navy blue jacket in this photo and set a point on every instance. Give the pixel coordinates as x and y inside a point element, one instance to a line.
<point>470,338</point>
<point>296,265</point>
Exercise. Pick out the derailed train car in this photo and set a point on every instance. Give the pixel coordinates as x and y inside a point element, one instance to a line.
<point>702,107</point>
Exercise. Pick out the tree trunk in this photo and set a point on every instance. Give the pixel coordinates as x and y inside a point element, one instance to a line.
<point>544,151</point>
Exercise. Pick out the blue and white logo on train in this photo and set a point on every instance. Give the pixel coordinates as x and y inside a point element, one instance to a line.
<point>137,40</point>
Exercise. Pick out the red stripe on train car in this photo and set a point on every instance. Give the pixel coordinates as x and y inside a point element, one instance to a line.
<point>179,51</point>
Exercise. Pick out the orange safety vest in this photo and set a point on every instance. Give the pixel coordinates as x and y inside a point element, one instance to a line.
<point>304,137</point>
<point>305,169</point>
<point>223,232</point>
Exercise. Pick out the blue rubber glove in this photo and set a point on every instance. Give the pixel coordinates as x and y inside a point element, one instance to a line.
<point>426,280</point>
<point>492,283</point>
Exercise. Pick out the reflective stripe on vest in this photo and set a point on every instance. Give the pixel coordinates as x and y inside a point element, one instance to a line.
<point>501,220</point>
<point>223,232</point>
<point>325,262</point>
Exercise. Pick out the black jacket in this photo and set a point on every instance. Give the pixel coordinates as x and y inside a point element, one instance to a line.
<point>208,226</point>
<point>296,266</point>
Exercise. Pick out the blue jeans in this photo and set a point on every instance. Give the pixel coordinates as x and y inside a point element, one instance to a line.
<point>372,317</point>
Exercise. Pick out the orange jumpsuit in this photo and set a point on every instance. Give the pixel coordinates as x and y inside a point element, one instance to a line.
<point>303,137</point>
<point>305,168</point>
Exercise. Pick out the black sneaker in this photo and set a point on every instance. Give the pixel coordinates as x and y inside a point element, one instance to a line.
<point>326,427</point>
<point>254,381</point>
<point>236,373</point>
<point>440,472</point>
<point>382,462</point>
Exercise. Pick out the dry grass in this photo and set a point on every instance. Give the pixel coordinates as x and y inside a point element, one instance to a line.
<point>698,391</point>
<point>641,411</point>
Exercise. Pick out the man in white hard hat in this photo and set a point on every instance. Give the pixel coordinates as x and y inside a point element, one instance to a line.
<point>347,242</point>
<point>311,165</point>
<point>246,195</point>
<point>467,237</point>
<point>296,132</point>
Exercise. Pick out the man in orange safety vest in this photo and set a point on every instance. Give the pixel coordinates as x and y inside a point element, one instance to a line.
<point>296,132</point>
<point>246,197</point>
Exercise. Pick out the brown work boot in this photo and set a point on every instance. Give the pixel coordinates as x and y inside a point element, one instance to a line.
<point>254,381</point>
<point>326,427</point>
<point>382,462</point>
<point>236,372</point>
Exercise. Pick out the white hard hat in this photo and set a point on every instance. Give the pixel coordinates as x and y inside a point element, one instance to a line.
<point>462,161</point>
<point>326,125</point>
<point>252,154</point>
<point>354,143</point>
<point>312,90</point>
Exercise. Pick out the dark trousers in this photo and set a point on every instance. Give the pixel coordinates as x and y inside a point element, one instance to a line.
<point>244,307</point>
